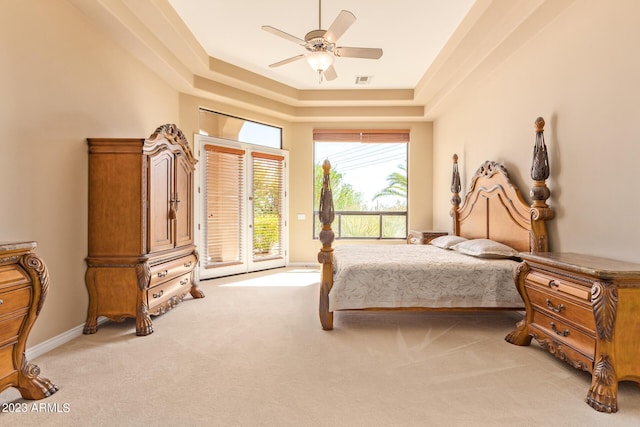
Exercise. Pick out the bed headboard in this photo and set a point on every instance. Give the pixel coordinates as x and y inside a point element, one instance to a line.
<point>494,208</point>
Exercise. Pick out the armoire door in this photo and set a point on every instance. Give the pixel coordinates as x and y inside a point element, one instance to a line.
<point>183,201</point>
<point>160,190</point>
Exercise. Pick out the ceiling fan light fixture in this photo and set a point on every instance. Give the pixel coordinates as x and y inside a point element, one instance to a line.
<point>320,60</point>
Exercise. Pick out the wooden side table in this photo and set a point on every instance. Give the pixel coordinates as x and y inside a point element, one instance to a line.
<point>417,237</point>
<point>584,310</point>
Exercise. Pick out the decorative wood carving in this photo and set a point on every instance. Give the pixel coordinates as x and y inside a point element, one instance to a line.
<point>455,198</point>
<point>326,236</point>
<point>24,284</point>
<point>540,211</point>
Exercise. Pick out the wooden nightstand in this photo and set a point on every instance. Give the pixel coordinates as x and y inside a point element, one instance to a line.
<point>584,310</point>
<point>423,237</point>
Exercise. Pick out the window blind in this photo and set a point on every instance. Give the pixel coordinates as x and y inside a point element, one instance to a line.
<point>360,135</point>
<point>224,206</point>
<point>268,206</point>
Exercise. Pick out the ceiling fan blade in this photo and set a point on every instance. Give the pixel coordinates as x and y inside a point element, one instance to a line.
<point>342,22</point>
<point>358,52</point>
<point>280,33</point>
<point>330,74</point>
<point>286,61</point>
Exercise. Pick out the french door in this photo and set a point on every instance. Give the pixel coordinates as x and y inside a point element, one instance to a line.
<point>241,207</point>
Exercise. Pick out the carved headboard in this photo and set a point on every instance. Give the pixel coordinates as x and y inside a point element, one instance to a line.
<point>494,208</point>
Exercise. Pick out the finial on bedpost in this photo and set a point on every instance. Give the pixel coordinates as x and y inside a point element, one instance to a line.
<point>325,256</point>
<point>539,193</point>
<point>455,199</point>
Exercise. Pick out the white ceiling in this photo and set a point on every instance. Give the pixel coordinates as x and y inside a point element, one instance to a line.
<point>410,32</point>
<point>434,51</point>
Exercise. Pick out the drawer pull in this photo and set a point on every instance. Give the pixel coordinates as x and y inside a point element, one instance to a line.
<point>163,273</point>
<point>564,333</point>
<point>187,264</point>
<point>557,309</point>
<point>158,295</point>
<point>1,302</point>
<point>184,282</point>
<point>552,283</point>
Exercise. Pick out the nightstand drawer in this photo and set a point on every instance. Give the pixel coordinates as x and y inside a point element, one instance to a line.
<point>561,285</point>
<point>563,332</point>
<point>562,306</point>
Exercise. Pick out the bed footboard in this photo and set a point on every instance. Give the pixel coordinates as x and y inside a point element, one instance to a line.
<point>325,256</point>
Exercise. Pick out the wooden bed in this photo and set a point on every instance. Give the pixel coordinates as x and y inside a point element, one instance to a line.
<point>493,208</point>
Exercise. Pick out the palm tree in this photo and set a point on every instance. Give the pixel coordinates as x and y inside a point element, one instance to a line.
<point>397,184</point>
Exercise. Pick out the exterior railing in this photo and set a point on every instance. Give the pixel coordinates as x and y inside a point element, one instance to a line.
<point>344,230</point>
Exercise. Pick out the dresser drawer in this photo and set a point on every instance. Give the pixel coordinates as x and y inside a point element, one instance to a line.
<point>10,327</point>
<point>10,276</point>
<point>14,300</point>
<point>561,285</point>
<point>158,295</point>
<point>562,306</point>
<point>162,272</point>
<point>559,330</point>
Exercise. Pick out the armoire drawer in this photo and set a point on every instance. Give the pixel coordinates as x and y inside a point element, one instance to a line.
<point>162,293</point>
<point>162,272</point>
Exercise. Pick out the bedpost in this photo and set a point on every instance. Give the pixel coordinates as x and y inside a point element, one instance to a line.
<point>455,199</point>
<point>325,256</point>
<point>540,211</point>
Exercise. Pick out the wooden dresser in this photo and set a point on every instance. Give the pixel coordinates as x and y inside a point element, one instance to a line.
<point>585,311</point>
<point>423,237</point>
<point>141,248</point>
<point>24,282</point>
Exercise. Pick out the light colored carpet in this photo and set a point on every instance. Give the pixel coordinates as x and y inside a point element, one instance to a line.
<point>252,353</point>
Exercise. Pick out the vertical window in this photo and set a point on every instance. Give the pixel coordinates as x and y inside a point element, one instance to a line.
<point>268,206</point>
<point>224,197</point>
<point>369,181</point>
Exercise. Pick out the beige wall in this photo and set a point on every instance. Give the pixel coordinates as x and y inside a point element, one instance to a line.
<point>61,82</point>
<point>580,73</point>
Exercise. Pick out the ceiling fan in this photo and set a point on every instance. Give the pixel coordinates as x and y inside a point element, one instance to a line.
<point>321,45</point>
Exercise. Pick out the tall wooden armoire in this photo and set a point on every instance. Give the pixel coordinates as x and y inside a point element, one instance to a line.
<point>142,255</point>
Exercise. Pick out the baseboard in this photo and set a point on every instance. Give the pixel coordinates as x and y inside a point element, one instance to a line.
<point>48,345</point>
<point>309,264</point>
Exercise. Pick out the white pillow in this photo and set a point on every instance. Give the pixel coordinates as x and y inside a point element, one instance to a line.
<point>485,248</point>
<point>446,242</point>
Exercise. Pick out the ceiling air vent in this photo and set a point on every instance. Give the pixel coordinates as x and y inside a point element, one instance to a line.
<point>363,80</point>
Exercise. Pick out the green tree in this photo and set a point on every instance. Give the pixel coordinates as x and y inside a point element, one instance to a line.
<point>345,198</point>
<point>396,185</point>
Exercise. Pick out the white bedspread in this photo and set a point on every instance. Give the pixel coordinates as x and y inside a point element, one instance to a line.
<point>368,276</point>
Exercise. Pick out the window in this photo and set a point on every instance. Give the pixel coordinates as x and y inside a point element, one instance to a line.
<point>240,130</point>
<point>368,179</point>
